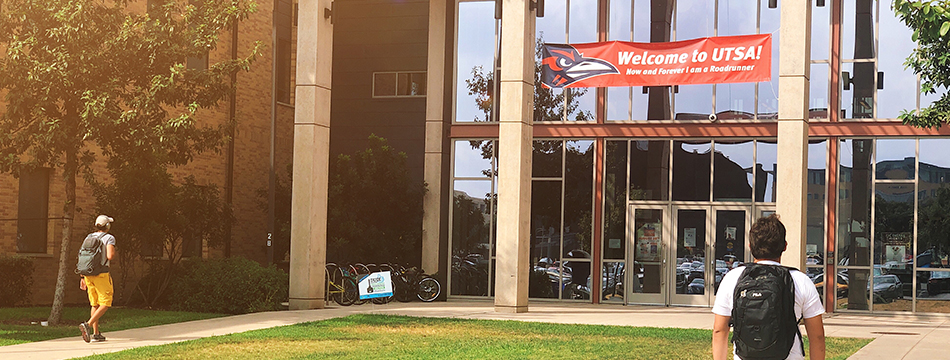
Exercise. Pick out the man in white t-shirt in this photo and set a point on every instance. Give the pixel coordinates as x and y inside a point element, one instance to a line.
<point>767,242</point>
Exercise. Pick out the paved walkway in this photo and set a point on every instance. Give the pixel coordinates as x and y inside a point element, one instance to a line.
<point>896,336</point>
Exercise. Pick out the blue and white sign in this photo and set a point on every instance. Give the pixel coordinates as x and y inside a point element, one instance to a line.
<point>376,285</point>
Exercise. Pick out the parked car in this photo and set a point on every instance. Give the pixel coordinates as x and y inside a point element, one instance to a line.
<point>939,282</point>
<point>697,286</point>
<point>887,288</point>
<point>841,285</point>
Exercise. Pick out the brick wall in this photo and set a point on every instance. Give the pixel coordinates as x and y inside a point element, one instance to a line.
<point>251,166</point>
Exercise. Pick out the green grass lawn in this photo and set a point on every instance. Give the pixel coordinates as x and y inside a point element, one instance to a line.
<point>400,337</point>
<point>16,323</point>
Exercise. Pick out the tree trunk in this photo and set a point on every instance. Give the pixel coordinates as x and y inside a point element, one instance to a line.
<point>69,212</point>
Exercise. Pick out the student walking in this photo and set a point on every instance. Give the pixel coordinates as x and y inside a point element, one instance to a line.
<point>764,302</point>
<point>94,257</point>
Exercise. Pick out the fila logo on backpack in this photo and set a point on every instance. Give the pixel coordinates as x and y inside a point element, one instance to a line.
<point>91,258</point>
<point>763,313</point>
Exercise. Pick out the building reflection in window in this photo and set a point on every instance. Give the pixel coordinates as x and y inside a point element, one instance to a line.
<point>691,168</point>
<point>732,171</point>
<point>649,170</point>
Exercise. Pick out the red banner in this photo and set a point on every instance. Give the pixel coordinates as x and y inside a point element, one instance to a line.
<point>712,60</point>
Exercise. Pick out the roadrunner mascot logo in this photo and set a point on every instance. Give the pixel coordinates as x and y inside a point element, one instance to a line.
<point>562,65</point>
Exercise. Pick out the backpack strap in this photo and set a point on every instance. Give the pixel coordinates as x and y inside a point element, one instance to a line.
<point>798,330</point>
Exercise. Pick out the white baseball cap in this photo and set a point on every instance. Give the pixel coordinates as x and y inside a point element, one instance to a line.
<point>103,220</point>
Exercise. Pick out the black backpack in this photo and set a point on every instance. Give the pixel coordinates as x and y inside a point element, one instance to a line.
<point>763,313</point>
<point>91,258</point>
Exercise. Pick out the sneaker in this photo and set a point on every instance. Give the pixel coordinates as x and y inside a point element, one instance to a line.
<point>84,328</point>
<point>98,337</point>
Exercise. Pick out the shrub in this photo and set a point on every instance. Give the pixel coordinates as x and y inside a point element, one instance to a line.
<point>231,286</point>
<point>17,280</point>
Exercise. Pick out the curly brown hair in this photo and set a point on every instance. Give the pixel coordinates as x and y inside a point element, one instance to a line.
<point>767,238</point>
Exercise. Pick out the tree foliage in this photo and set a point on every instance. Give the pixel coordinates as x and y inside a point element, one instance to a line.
<point>162,222</point>
<point>930,21</point>
<point>88,77</point>
<point>374,211</point>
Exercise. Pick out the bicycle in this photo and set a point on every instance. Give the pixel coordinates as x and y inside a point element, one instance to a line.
<point>341,287</point>
<point>414,283</point>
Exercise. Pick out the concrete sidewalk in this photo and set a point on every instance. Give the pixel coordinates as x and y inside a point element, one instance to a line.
<point>896,336</point>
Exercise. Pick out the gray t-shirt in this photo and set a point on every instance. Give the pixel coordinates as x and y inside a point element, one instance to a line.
<point>107,240</point>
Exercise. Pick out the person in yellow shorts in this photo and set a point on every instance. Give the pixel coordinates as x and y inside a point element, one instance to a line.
<point>99,287</point>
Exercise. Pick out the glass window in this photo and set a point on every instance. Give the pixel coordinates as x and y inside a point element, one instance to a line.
<point>582,28</point>
<point>815,203</point>
<point>895,159</point>
<point>899,90</point>
<point>818,93</point>
<point>634,103</point>
<point>33,211</point>
<point>613,274</point>
<point>854,202</point>
<point>470,237</point>
<point>475,60</point>
<point>927,99</point>
<point>894,225</point>
<point>691,170</point>
<point>768,91</point>
<point>857,38</point>
<point>694,20</point>
<point>736,17</point>
<point>857,96</point>
<point>736,101</point>
<point>545,279</point>
<point>766,162</point>
<point>547,158</point>
<point>615,206</point>
<point>648,257</point>
<point>473,158</point>
<point>579,194</point>
<point>619,25</point>
<point>732,171</point>
<point>384,84</point>
<point>933,210</point>
<point>820,27</point>
<point>932,287</point>
<point>649,170</point>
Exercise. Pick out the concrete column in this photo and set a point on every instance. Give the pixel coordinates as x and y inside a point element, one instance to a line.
<point>515,141</point>
<point>435,96</point>
<point>794,66</point>
<point>308,237</point>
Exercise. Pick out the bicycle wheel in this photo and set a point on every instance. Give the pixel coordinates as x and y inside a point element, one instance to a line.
<point>356,274</point>
<point>350,294</point>
<point>429,289</point>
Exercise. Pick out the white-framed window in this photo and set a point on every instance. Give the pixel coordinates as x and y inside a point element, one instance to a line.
<point>396,84</point>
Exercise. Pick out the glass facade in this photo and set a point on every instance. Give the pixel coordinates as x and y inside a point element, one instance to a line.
<point>889,255</point>
<point>689,192</point>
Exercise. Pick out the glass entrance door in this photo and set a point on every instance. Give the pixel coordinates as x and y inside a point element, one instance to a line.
<point>730,244</point>
<point>709,241</point>
<point>647,236</point>
<point>688,256</point>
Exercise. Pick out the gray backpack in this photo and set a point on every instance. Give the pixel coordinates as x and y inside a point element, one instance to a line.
<point>91,258</point>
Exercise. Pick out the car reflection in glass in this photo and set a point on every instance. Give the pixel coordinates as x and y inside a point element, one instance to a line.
<point>939,282</point>
<point>841,285</point>
<point>697,286</point>
<point>887,288</point>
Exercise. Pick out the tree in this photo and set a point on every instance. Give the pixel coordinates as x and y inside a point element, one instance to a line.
<point>374,210</point>
<point>162,220</point>
<point>931,59</point>
<point>86,74</point>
